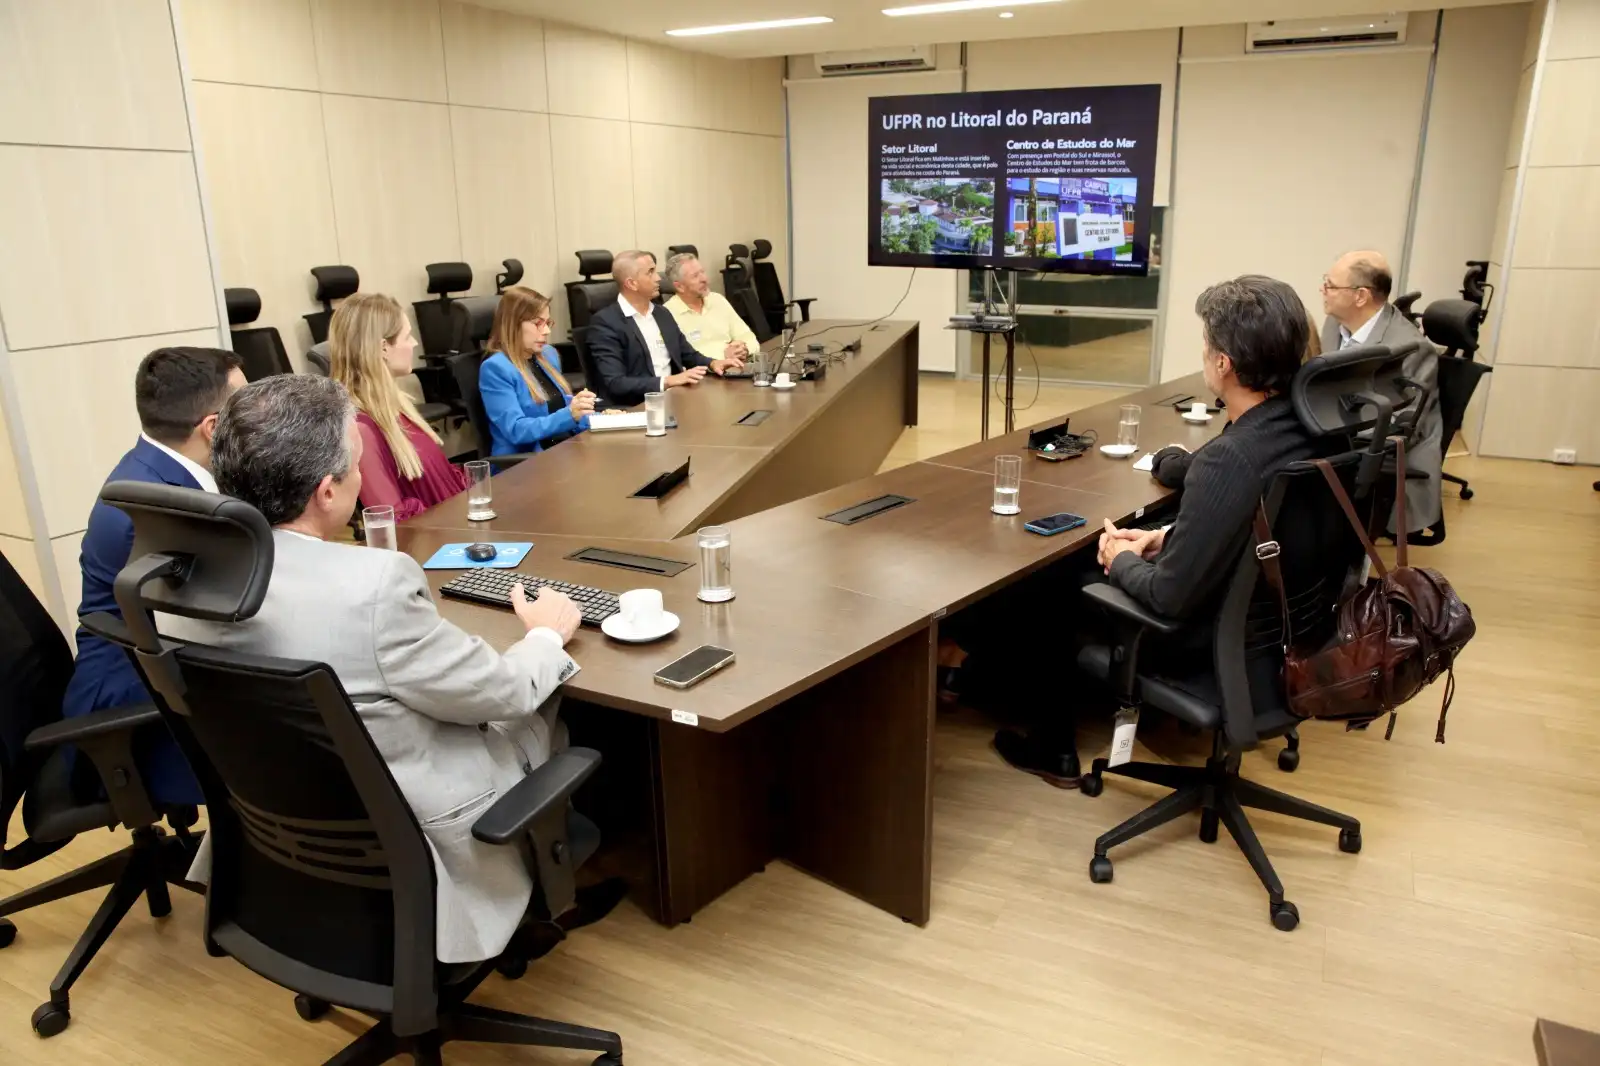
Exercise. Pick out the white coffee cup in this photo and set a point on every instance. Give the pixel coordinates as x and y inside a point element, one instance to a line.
<point>1198,409</point>
<point>641,608</point>
<point>782,381</point>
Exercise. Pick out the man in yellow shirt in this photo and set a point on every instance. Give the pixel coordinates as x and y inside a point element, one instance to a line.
<point>707,319</point>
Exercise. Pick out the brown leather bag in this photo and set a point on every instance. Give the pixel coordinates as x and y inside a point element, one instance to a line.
<point>1395,634</point>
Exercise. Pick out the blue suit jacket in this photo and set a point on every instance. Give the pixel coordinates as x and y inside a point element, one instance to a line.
<point>103,677</point>
<point>518,422</point>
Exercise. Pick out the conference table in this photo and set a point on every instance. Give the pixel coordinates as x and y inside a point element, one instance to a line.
<point>816,745</point>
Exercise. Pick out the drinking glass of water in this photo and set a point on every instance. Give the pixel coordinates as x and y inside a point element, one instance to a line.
<point>716,564</point>
<point>655,414</point>
<point>480,491</point>
<point>1128,425</point>
<point>1007,484</point>
<point>379,524</point>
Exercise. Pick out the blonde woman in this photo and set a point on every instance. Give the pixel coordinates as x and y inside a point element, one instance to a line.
<point>526,398</point>
<point>403,464</point>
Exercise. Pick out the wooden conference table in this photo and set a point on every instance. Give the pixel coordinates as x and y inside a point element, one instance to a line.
<point>816,746</point>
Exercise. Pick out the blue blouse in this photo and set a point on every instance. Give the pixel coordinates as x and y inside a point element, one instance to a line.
<point>517,421</point>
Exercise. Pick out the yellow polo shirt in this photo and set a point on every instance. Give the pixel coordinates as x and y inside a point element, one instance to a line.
<point>714,327</point>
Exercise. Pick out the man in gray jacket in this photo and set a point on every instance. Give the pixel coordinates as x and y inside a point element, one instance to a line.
<point>1355,297</point>
<point>457,723</point>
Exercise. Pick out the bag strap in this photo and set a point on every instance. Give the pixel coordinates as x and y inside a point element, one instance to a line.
<point>1401,533</point>
<point>1349,508</point>
<point>1267,552</point>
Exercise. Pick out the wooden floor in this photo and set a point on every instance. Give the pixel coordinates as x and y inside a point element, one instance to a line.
<point>1474,908</point>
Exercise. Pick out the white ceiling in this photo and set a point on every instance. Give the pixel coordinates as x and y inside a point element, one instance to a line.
<point>861,24</point>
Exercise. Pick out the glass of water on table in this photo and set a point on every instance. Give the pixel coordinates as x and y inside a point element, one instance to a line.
<point>378,525</point>
<point>480,491</point>
<point>716,564</point>
<point>1007,484</point>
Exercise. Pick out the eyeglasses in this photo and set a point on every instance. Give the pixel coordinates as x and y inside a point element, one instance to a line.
<point>544,322</point>
<point>1329,286</point>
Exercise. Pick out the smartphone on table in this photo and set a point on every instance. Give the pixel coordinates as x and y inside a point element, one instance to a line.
<point>1050,525</point>
<point>695,666</point>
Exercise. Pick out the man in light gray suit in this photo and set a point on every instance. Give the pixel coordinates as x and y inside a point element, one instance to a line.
<point>1355,297</point>
<point>457,723</point>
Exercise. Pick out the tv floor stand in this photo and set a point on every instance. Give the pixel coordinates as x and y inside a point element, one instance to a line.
<point>994,321</point>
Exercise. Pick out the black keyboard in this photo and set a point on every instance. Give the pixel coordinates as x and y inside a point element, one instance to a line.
<point>493,588</point>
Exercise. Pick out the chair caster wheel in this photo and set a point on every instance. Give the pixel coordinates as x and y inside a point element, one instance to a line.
<point>1289,760</point>
<point>512,969</point>
<point>50,1020</point>
<point>1092,785</point>
<point>8,932</point>
<point>1350,841</point>
<point>1100,870</point>
<point>1285,916</point>
<point>1466,493</point>
<point>310,1008</point>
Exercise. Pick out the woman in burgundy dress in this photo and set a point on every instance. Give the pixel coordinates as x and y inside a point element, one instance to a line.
<point>403,464</point>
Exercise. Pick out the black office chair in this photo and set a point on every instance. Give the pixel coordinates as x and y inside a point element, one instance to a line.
<point>321,880</point>
<point>465,367</point>
<point>592,292</point>
<point>333,283</point>
<point>682,249</point>
<point>435,331</point>
<point>60,799</point>
<point>770,289</point>
<point>1240,701</point>
<point>738,285</point>
<point>509,277</point>
<point>1403,305</point>
<point>471,320</point>
<point>1453,325</point>
<point>1475,287</point>
<point>260,349</point>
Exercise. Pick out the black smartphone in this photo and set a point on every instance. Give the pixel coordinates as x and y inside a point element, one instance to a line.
<point>1050,525</point>
<point>697,665</point>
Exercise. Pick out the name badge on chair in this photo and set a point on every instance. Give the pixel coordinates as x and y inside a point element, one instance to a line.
<point>1122,736</point>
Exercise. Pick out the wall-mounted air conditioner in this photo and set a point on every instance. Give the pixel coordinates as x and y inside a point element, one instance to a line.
<point>1347,31</point>
<point>898,60</point>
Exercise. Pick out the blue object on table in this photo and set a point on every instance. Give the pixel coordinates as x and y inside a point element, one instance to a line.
<point>454,556</point>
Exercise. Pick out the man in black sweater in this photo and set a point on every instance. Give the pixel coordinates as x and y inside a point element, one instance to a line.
<point>1255,332</point>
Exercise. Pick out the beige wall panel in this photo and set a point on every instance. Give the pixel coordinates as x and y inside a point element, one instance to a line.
<point>829,173</point>
<point>1139,58</point>
<point>1567,132</point>
<point>772,210</point>
<point>593,167</point>
<point>507,196</point>
<point>66,550</point>
<point>670,203</point>
<point>1576,33</point>
<point>1533,410</point>
<point>1474,83</point>
<point>1519,118</point>
<point>266,164</point>
<point>126,222</point>
<point>1530,44</point>
<point>13,512</point>
<point>1307,216</point>
<point>1211,42</point>
<point>250,42</point>
<point>1550,319</point>
<point>587,72</point>
<point>493,58</point>
<point>1502,216</point>
<point>101,73</point>
<point>1560,218</point>
<point>394,190</point>
<point>20,554</point>
<point>661,85</point>
<point>76,435</point>
<point>765,99</point>
<point>389,48</point>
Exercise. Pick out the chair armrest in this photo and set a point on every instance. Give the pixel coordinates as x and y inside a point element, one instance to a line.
<point>543,792</point>
<point>804,305</point>
<point>89,726</point>
<point>534,814</point>
<point>1126,607</point>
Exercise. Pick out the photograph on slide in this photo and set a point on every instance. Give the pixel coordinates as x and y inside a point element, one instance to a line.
<point>1070,218</point>
<point>936,216</point>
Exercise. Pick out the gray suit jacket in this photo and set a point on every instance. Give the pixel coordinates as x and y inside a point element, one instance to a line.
<point>457,723</point>
<point>1424,445</point>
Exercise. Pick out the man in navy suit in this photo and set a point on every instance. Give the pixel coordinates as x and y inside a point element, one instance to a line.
<point>637,347</point>
<point>178,392</point>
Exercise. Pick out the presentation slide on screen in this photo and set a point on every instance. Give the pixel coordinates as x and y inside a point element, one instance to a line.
<point>1032,179</point>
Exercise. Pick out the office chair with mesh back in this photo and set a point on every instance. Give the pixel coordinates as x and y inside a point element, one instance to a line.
<point>1453,325</point>
<point>512,275</point>
<point>260,349</point>
<point>353,924</point>
<point>333,283</point>
<point>38,771</point>
<point>738,285</point>
<point>592,292</point>
<point>682,249</point>
<point>770,290</point>
<point>1240,701</point>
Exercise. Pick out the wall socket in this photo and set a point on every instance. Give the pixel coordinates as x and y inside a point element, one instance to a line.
<point>1565,456</point>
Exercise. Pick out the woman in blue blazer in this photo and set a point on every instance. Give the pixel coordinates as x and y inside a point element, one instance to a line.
<point>521,380</point>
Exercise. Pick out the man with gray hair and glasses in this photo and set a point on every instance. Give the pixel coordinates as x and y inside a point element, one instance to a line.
<point>458,723</point>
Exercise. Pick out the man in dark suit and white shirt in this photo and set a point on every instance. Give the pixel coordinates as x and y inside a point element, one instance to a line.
<point>637,347</point>
<point>1355,296</point>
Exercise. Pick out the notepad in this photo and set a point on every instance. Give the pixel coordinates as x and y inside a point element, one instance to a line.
<point>608,422</point>
<point>1147,463</point>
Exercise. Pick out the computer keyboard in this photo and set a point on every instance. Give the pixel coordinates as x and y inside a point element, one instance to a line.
<point>493,588</point>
